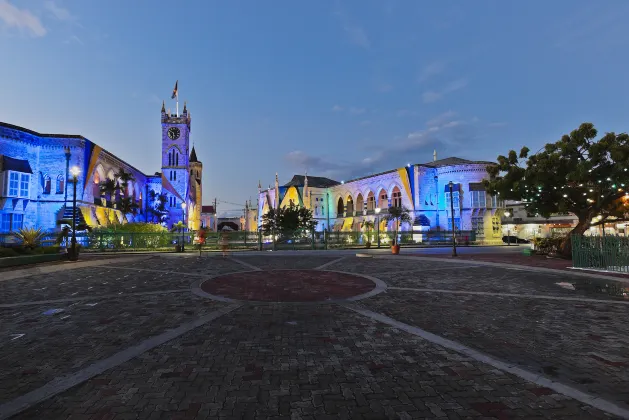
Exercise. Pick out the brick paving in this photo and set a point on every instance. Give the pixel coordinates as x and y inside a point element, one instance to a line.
<point>288,286</point>
<point>525,260</point>
<point>309,362</point>
<point>314,361</point>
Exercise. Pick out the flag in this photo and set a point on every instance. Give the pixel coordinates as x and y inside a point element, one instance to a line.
<point>175,94</point>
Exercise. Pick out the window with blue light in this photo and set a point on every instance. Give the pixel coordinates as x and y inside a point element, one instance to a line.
<point>18,221</point>
<point>25,179</point>
<point>5,222</point>
<point>14,178</point>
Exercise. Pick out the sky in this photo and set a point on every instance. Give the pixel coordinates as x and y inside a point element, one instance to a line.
<point>333,88</point>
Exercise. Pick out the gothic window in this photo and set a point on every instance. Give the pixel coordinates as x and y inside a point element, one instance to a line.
<point>170,159</point>
<point>175,176</point>
<point>371,202</point>
<point>340,208</point>
<point>47,184</point>
<point>60,184</point>
<point>396,198</point>
<point>176,159</point>
<point>383,201</point>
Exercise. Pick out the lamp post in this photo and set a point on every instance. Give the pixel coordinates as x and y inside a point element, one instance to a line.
<point>452,216</point>
<point>75,177</point>
<point>507,214</point>
<point>378,225</point>
<point>183,222</point>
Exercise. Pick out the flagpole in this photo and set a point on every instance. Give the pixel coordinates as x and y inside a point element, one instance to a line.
<point>177,103</point>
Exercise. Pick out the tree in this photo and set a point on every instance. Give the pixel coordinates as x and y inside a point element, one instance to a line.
<point>398,215</point>
<point>127,205</point>
<point>369,227</point>
<point>108,189</point>
<point>288,220</point>
<point>125,178</point>
<point>576,174</point>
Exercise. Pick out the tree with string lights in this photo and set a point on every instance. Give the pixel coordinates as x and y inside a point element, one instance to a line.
<point>576,174</point>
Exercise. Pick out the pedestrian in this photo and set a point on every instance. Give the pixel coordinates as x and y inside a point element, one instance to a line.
<point>224,243</point>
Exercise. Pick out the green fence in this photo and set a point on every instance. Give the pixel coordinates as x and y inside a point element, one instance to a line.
<point>610,253</point>
<point>239,240</point>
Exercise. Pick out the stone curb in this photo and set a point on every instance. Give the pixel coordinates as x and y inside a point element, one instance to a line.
<point>500,265</point>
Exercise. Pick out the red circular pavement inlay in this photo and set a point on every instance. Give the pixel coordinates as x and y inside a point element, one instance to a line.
<point>288,286</point>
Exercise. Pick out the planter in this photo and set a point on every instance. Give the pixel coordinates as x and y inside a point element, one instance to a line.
<point>73,255</point>
<point>29,259</point>
<point>368,245</point>
<point>395,249</point>
<point>178,248</point>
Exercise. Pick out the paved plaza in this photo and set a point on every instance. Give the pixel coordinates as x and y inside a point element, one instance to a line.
<point>310,336</point>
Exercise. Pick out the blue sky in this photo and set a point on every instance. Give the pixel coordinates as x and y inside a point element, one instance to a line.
<point>337,88</point>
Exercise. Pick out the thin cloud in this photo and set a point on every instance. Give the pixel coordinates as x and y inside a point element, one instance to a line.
<point>337,108</point>
<point>432,69</point>
<point>356,111</point>
<point>355,33</point>
<point>441,118</point>
<point>58,12</point>
<point>74,40</point>
<point>22,19</point>
<point>434,96</point>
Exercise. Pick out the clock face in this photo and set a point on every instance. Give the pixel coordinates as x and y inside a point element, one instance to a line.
<point>173,133</point>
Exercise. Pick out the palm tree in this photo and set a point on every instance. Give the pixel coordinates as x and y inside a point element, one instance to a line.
<point>369,227</point>
<point>125,178</point>
<point>30,237</point>
<point>127,205</point>
<point>108,189</point>
<point>398,215</point>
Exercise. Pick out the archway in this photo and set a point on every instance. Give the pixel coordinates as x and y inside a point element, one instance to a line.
<point>360,203</point>
<point>371,201</point>
<point>340,208</point>
<point>383,199</point>
<point>350,206</point>
<point>396,197</point>
<point>228,226</point>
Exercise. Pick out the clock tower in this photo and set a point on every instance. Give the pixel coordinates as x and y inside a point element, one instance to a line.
<point>175,156</point>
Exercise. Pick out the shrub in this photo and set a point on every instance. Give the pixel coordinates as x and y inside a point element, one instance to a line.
<point>7,252</point>
<point>30,238</point>
<point>545,246</point>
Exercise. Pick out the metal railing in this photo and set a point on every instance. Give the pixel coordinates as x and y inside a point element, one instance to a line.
<point>169,241</point>
<point>609,253</point>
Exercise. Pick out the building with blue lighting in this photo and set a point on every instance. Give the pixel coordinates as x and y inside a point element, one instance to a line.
<point>424,189</point>
<point>36,188</point>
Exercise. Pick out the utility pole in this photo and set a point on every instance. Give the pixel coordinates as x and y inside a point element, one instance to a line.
<point>215,216</point>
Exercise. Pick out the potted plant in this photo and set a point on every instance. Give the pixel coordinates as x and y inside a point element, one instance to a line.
<point>397,215</point>
<point>369,227</point>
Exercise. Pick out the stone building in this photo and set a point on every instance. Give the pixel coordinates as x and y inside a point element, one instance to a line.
<point>36,188</point>
<point>421,188</point>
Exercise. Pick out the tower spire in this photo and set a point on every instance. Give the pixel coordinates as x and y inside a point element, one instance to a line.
<point>163,107</point>
<point>434,155</point>
<point>185,108</point>
<point>259,187</point>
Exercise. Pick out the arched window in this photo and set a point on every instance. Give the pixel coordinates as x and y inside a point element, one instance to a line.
<point>371,202</point>
<point>170,158</point>
<point>47,184</point>
<point>340,209</point>
<point>96,187</point>
<point>60,184</point>
<point>383,200</point>
<point>176,159</point>
<point>396,198</point>
<point>350,206</point>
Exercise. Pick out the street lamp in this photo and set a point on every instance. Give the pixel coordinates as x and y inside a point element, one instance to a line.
<point>378,224</point>
<point>183,222</point>
<point>507,214</point>
<point>75,171</point>
<point>452,216</point>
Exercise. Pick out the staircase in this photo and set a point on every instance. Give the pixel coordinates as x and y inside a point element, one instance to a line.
<point>67,215</point>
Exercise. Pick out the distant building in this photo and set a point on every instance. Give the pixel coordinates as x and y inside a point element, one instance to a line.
<point>517,221</point>
<point>422,188</point>
<point>208,217</point>
<point>36,188</point>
